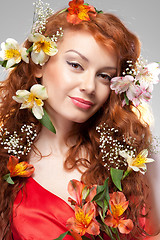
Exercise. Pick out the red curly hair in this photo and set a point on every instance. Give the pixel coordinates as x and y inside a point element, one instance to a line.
<point>109,31</point>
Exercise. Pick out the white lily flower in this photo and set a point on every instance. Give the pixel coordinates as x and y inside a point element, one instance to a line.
<point>13,53</point>
<point>32,99</point>
<point>43,48</point>
<point>139,162</point>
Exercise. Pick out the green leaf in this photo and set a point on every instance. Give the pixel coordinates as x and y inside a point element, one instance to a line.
<point>126,99</point>
<point>102,197</point>
<point>98,11</point>
<point>105,207</point>
<point>29,49</point>
<point>63,235</point>
<point>45,121</point>
<point>116,175</point>
<point>85,192</point>
<point>3,63</point>
<point>8,178</point>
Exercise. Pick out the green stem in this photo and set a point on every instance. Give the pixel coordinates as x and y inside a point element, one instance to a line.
<point>63,10</point>
<point>127,172</point>
<point>100,237</point>
<point>93,237</point>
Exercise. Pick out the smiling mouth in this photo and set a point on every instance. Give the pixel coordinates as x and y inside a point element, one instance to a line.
<point>81,103</point>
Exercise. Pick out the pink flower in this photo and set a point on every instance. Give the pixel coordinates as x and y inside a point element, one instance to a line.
<point>121,84</point>
<point>148,75</point>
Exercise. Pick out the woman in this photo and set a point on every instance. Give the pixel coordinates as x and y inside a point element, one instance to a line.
<point>76,72</point>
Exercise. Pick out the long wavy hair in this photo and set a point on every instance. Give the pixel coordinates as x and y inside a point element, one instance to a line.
<point>109,31</point>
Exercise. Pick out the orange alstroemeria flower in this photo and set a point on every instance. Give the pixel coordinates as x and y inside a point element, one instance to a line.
<point>114,217</point>
<point>22,169</point>
<point>84,220</point>
<point>78,191</point>
<point>78,12</point>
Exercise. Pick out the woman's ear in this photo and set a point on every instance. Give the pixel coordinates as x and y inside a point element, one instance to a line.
<point>38,72</point>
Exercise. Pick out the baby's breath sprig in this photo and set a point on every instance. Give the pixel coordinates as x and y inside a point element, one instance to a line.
<point>58,34</point>
<point>14,143</point>
<point>130,70</point>
<point>41,13</point>
<point>110,146</point>
<point>154,147</point>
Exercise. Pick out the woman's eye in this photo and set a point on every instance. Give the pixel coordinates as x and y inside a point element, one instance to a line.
<point>75,65</point>
<point>105,76</point>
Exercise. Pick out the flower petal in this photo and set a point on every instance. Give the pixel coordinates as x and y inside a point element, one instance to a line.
<point>39,91</point>
<point>125,226</point>
<point>75,189</point>
<point>37,111</point>
<point>124,154</point>
<point>11,62</point>
<point>36,37</point>
<point>39,58</point>
<point>13,161</point>
<point>24,55</point>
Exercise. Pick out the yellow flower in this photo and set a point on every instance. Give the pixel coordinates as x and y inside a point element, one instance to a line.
<point>13,53</point>
<point>32,99</point>
<point>43,47</point>
<point>139,162</point>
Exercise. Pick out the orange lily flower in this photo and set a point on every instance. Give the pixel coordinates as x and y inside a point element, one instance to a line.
<point>22,169</point>
<point>84,220</point>
<point>114,217</point>
<point>78,11</point>
<point>78,190</point>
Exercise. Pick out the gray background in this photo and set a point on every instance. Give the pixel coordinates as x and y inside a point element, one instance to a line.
<point>141,16</point>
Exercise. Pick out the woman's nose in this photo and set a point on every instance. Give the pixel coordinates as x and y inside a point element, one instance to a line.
<point>88,83</point>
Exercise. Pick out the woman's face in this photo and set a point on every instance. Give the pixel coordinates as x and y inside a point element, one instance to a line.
<point>77,77</point>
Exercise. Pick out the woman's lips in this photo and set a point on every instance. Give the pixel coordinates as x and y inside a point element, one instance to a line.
<point>81,103</point>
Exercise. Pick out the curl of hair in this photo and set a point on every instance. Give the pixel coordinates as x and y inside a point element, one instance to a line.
<point>109,31</point>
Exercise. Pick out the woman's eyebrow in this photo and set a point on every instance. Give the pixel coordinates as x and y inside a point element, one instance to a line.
<point>86,59</point>
<point>81,55</point>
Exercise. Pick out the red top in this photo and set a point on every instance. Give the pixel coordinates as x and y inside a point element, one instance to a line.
<point>39,214</point>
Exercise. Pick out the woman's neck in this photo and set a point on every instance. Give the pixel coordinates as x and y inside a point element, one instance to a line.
<point>56,142</point>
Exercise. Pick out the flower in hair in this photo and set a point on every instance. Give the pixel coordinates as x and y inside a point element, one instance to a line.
<point>12,53</point>
<point>16,168</point>
<point>138,163</point>
<point>114,217</point>
<point>137,83</point>
<point>78,11</point>
<point>32,99</point>
<point>148,75</point>
<point>43,47</point>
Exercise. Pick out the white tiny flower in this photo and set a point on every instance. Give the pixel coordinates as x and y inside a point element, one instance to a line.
<point>32,99</point>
